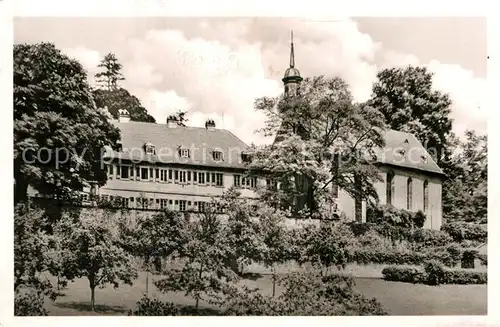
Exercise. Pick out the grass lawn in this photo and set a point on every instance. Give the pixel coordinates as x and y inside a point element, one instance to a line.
<point>397,298</point>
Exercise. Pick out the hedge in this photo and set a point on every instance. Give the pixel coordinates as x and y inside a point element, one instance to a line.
<point>460,231</point>
<point>434,275</point>
<point>449,256</point>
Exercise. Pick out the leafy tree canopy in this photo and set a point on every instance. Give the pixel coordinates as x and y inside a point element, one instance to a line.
<point>58,132</point>
<point>323,140</point>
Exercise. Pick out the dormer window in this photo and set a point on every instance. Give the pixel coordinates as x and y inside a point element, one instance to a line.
<point>245,157</point>
<point>118,146</point>
<point>218,155</point>
<point>402,152</point>
<point>184,153</point>
<point>424,158</point>
<point>149,148</point>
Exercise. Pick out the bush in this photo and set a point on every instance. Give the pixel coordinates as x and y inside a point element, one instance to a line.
<point>461,276</point>
<point>403,274</point>
<point>434,271</point>
<point>460,231</point>
<point>389,214</point>
<point>430,237</point>
<point>468,258</point>
<point>29,304</point>
<point>154,307</point>
<point>434,274</point>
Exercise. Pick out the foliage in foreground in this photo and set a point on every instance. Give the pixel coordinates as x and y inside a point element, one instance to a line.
<point>304,294</point>
<point>434,274</point>
<point>33,258</point>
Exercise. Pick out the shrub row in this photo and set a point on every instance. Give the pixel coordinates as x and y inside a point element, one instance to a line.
<point>422,237</point>
<point>434,274</point>
<point>395,217</point>
<point>460,231</point>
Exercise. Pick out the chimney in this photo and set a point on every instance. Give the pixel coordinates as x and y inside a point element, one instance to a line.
<point>123,116</point>
<point>210,124</point>
<point>172,121</point>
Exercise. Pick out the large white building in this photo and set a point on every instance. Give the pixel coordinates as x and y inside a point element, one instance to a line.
<point>182,168</point>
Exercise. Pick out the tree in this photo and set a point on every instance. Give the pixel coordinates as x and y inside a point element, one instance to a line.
<point>112,72</point>
<point>153,238</point>
<point>276,240</point>
<point>326,246</point>
<point>323,142</point>
<point>33,249</point>
<point>112,96</point>
<point>206,270</point>
<point>466,196</point>
<point>409,103</point>
<point>91,249</point>
<point>119,98</point>
<point>58,132</point>
<point>242,229</point>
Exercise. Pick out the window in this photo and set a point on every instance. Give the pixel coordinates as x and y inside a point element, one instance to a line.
<point>409,193</point>
<point>253,182</point>
<point>189,176</point>
<point>426,195</point>
<point>131,199</point>
<point>201,206</point>
<point>163,203</point>
<point>157,174</point>
<point>149,148</point>
<point>213,178</point>
<point>184,153</point>
<point>131,172</point>
<point>125,202</point>
<point>144,173</point>
<point>118,171</point>
<point>218,155</point>
<point>208,178</point>
<point>151,173</point>
<point>195,176</point>
<point>219,179</point>
<point>137,173</point>
<point>237,180</point>
<point>201,178</point>
<point>110,171</point>
<point>183,177</point>
<point>170,175</point>
<point>390,187</point>
<point>163,175</point>
<point>125,172</point>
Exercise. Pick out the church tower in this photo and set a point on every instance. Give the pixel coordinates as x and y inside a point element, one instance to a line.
<point>292,78</point>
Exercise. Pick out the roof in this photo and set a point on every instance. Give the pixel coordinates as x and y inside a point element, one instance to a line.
<point>413,154</point>
<point>201,142</point>
<point>292,72</point>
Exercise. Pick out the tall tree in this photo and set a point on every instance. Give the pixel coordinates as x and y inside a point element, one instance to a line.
<point>465,197</point>
<point>111,74</point>
<point>109,94</point>
<point>58,132</point>
<point>120,98</point>
<point>154,238</point>
<point>91,249</point>
<point>323,141</point>
<point>406,98</point>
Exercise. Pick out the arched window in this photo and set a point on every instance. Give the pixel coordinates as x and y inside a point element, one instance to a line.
<point>390,187</point>
<point>409,193</point>
<point>426,195</point>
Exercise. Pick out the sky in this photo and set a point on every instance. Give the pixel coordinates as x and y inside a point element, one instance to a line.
<point>216,67</point>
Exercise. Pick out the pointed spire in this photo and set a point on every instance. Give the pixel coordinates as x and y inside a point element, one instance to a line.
<point>292,54</point>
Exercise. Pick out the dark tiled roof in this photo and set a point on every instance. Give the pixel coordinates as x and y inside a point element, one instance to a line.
<point>167,141</point>
<point>404,150</point>
<point>202,142</point>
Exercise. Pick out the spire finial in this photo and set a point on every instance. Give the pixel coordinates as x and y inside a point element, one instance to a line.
<point>292,54</point>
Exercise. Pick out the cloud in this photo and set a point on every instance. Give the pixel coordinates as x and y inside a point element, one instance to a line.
<point>89,59</point>
<point>215,68</point>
